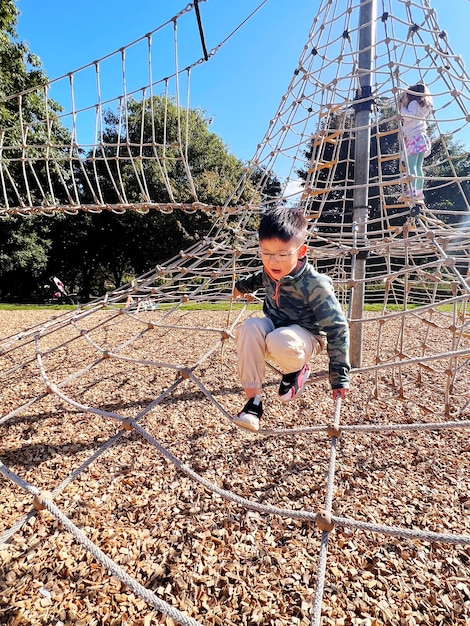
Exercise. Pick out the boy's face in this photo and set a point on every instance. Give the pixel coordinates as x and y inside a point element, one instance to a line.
<point>280,258</point>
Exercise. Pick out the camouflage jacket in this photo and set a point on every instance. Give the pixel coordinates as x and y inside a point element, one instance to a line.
<point>307,298</point>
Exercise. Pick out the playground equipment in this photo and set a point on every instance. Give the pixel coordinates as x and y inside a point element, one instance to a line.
<point>124,365</point>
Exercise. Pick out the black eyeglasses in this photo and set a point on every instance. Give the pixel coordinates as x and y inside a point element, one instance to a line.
<point>278,256</point>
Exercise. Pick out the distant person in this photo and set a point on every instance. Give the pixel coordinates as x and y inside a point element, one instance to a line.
<point>302,315</point>
<point>415,109</point>
<point>60,286</point>
<point>61,295</point>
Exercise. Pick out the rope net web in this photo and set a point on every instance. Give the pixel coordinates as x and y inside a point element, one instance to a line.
<point>142,360</point>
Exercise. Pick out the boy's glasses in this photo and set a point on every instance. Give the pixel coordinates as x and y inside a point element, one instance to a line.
<point>278,256</point>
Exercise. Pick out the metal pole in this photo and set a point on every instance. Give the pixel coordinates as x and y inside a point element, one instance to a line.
<point>363,107</point>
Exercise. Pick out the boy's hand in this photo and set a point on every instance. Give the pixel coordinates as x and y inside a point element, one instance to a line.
<point>238,294</point>
<point>339,393</point>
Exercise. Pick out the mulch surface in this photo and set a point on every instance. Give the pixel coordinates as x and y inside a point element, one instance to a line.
<point>206,556</point>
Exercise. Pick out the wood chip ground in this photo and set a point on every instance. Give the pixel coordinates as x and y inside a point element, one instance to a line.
<point>210,558</point>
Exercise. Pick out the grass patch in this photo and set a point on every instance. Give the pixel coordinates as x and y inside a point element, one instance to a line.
<point>409,307</point>
<point>37,307</point>
<point>194,306</point>
<point>208,306</point>
<point>212,306</point>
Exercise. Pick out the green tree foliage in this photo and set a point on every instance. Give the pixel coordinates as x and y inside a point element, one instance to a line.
<point>141,148</point>
<point>148,152</point>
<point>28,119</point>
<point>450,159</point>
<point>24,241</point>
<point>24,248</point>
<point>139,153</point>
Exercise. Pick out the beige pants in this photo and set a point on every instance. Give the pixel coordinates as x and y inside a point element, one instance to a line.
<point>257,340</point>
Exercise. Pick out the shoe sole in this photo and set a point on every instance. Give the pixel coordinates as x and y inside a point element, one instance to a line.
<point>299,393</point>
<point>247,423</point>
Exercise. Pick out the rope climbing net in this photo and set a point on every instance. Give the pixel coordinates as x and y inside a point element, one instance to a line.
<point>138,375</point>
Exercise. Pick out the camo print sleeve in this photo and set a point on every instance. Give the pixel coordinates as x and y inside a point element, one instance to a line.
<point>251,283</point>
<point>331,321</point>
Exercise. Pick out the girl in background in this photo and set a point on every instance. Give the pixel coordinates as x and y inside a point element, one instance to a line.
<point>415,108</point>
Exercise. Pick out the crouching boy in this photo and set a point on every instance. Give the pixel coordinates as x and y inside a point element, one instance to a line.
<point>302,316</point>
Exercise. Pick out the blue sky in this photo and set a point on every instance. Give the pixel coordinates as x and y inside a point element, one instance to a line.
<point>248,75</point>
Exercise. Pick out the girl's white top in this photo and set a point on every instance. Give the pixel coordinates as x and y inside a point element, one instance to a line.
<point>414,118</point>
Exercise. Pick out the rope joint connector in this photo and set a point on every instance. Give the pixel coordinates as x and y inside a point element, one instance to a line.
<point>363,254</point>
<point>333,431</point>
<point>38,500</point>
<point>185,372</point>
<point>324,521</point>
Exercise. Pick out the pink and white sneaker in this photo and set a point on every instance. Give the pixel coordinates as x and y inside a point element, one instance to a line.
<point>293,384</point>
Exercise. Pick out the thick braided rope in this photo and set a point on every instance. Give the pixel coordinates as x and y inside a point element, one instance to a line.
<point>297,514</point>
<point>261,508</point>
<point>287,129</point>
<point>304,515</point>
<point>99,555</point>
<point>316,616</point>
<point>108,444</point>
<point>15,527</point>
<point>150,326</point>
<point>117,571</point>
<point>274,510</point>
<point>449,425</point>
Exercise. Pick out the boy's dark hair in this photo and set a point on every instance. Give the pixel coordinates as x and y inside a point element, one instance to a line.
<point>283,223</point>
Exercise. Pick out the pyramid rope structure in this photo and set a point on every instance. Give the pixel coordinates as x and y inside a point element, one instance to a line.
<point>417,257</point>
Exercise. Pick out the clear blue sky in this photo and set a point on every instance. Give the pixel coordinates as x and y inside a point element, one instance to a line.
<point>248,76</point>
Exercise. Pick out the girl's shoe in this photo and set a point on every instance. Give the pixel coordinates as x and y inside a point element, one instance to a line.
<point>405,197</point>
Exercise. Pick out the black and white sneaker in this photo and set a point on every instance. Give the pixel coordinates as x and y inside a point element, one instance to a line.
<point>250,415</point>
<point>292,384</point>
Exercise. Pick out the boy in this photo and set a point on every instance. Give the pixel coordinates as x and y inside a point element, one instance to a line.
<point>301,313</point>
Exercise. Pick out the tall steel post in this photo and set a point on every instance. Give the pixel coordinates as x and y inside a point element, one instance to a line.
<point>363,107</point>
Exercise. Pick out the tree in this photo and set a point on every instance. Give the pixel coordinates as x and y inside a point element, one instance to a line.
<point>24,242</point>
<point>31,129</point>
<point>139,160</point>
<point>148,149</point>
<point>145,151</point>
<point>24,248</point>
